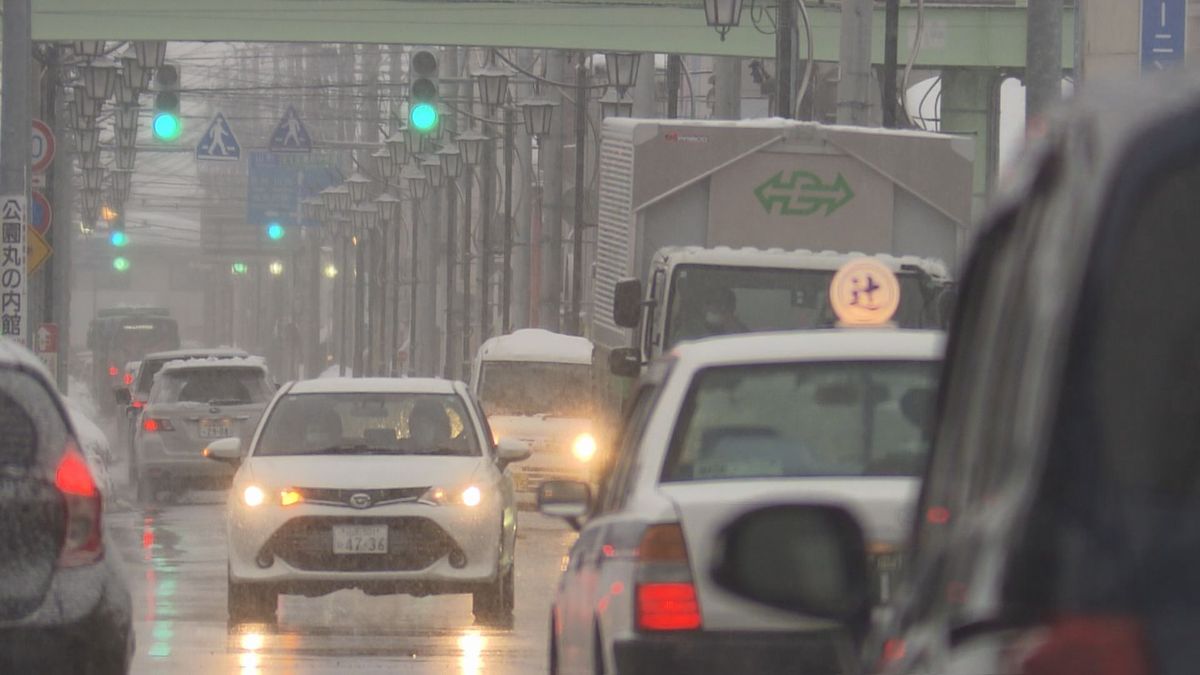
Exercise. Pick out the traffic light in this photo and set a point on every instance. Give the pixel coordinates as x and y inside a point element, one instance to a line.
<point>239,268</point>
<point>121,263</point>
<point>166,124</point>
<point>275,230</point>
<point>118,238</point>
<point>423,92</point>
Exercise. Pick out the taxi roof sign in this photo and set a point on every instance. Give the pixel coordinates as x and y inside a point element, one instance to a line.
<point>864,292</point>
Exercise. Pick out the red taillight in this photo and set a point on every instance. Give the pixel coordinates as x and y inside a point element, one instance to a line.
<point>666,597</point>
<point>894,650</point>
<point>1088,645</point>
<point>151,424</point>
<point>667,607</point>
<point>138,404</point>
<point>112,371</point>
<point>128,379</point>
<point>82,543</point>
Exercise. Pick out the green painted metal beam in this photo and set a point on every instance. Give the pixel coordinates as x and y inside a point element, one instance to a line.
<point>954,36</point>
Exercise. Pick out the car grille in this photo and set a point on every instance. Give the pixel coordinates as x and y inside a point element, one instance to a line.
<point>414,543</point>
<point>378,497</point>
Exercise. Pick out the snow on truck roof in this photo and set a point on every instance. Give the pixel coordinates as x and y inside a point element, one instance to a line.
<point>535,344</point>
<point>799,259</point>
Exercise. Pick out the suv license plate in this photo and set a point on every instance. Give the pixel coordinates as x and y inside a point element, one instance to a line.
<point>354,539</point>
<point>213,428</point>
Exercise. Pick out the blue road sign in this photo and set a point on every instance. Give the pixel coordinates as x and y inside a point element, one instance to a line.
<point>1164,33</point>
<point>276,184</point>
<point>219,143</point>
<point>290,134</point>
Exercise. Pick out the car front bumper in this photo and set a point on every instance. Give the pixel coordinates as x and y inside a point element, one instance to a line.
<point>811,653</point>
<point>431,549</point>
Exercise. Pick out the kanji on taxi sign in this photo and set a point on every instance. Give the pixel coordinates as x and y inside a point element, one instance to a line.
<point>864,292</point>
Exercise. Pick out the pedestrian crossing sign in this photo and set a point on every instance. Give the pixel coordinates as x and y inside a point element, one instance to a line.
<point>290,134</point>
<point>219,143</point>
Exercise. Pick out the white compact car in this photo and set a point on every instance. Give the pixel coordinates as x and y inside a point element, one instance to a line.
<point>723,424</point>
<point>385,485</point>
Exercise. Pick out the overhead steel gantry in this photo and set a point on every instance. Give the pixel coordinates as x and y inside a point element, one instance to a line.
<point>970,36</point>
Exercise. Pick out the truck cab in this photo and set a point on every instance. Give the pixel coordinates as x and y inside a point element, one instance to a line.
<point>693,293</point>
<point>538,387</point>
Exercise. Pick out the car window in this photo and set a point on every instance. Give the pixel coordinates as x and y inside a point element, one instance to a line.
<point>30,420</point>
<point>224,386</point>
<point>369,423</point>
<point>858,418</point>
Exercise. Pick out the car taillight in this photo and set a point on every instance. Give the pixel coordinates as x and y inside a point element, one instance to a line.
<point>82,544</point>
<point>138,404</point>
<point>128,379</point>
<point>112,371</point>
<point>666,597</point>
<point>152,424</point>
<point>1084,645</point>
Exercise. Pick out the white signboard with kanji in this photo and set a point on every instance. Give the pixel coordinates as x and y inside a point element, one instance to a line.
<point>12,267</point>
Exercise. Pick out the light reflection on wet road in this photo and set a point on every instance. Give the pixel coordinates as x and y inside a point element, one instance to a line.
<point>174,558</point>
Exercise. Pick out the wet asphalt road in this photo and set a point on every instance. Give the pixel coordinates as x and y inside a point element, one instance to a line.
<point>174,558</point>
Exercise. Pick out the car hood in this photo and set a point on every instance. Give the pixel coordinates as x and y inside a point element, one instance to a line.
<point>364,471</point>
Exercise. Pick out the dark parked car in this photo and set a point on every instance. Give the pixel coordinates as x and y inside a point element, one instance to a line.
<point>64,607</point>
<point>1057,531</point>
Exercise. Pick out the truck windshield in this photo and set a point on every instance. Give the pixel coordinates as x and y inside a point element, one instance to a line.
<point>710,300</point>
<point>535,388</point>
<point>807,419</point>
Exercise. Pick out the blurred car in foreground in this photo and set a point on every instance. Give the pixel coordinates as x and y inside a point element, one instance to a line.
<point>1057,529</point>
<point>64,606</point>
<point>833,415</point>
<point>192,403</point>
<point>385,485</point>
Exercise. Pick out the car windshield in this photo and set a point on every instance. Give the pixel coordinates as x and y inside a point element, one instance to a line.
<point>369,424</point>
<point>711,300</point>
<point>529,388</point>
<point>210,385</point>
<point>798,420</point>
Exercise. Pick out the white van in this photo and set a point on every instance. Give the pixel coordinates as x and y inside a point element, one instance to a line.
<point>537,387</point>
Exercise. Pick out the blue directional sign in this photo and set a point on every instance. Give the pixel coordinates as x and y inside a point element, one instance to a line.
<point>1164,33</point>
<point>219,143</point>
<point>290,134</point>
<point>276,184</point>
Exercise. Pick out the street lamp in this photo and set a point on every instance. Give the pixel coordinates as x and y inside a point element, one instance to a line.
<point>89,160</point>
<point>388,206</point>
<point>622,68</point>
<point>397,146</point>
<point>614,104</point>
<point>122,183</point>
<point>383,164</point>
<point>88,48</point>
<point>150,54</point>
<point>126,118</point>
<point>132,73</point>
<point>83,110</point>
<point>91,201</point>
<point>470,144</point>
<point>310,209</point>
<point>276,268</point>
<point>330,271</point>
<point>539,115</point>
<point>723,15</point>
<point>493,85</point>
<point>434,173</point>
<point>452,161</point>
<point>358,185</point>
<point>87,140</point>
<point>337,199</point>
<point>418,186</point>
<point>126,155</point>
<point>126,95</point>
<point>99,79</point>
<point>364,216</point>
<point>93,178</point>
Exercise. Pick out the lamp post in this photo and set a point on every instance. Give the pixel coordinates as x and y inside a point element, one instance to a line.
<point>614,104</point>
<point>397,147</point>
<point>150,54</point>
<point>470,145</point>
<point>364,217</point>
<point>622,69</point>
<point>723,15</point>
<point>389,211</point>
<point>418,187</point>
<point>358,184</point>
<point>452,164</point>
<point>100,79</point>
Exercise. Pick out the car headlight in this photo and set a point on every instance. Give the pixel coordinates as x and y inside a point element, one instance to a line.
<point>584,447</point>
<point>253,496</point>
<point>470,495</point>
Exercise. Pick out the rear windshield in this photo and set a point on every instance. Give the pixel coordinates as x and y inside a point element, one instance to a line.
<point>369,424</point>
<point>28,414</point>
<point>220,386</point>
<point>811,419</point>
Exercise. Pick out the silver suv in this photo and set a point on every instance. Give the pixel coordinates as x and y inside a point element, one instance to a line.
<point>192,403</point>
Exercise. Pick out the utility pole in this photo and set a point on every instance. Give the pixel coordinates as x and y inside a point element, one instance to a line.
<point>522,255</point>
<point>727,88</point>
<point>506,293</point>
<point>891,57</point>
<point>551,158</point>
<point>785,58</point>
<point>450,64</point>
<point>486,246</point>
<point>16,120</point>
<point>674,73</point>
<point>574,321</point>
<point>854,88</point>
<point>1043,57</point>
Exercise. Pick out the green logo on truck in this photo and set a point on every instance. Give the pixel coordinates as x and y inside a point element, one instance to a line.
<point>803,193</point>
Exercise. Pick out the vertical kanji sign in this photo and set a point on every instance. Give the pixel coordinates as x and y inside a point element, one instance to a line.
<point>12,267</point>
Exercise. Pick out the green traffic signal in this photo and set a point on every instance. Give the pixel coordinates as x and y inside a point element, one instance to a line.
<point>118,238</point>
<point>167,126</point>
<point>121,264</point>
<point>239,268</point>
<point>423,117</point>
<point>275,231</point>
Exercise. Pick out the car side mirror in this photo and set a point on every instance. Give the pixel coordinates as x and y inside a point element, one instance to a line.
<point>566,499</point>
<point>808,559</point>
<point>511,451</point>
<point>627,303</point>
<point>625,362</point>
<point>123,396</point>
<point>227,450</point>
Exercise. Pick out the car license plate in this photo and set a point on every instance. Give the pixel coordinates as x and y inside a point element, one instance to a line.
<point>360,539</point>
<point>213,428</point>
